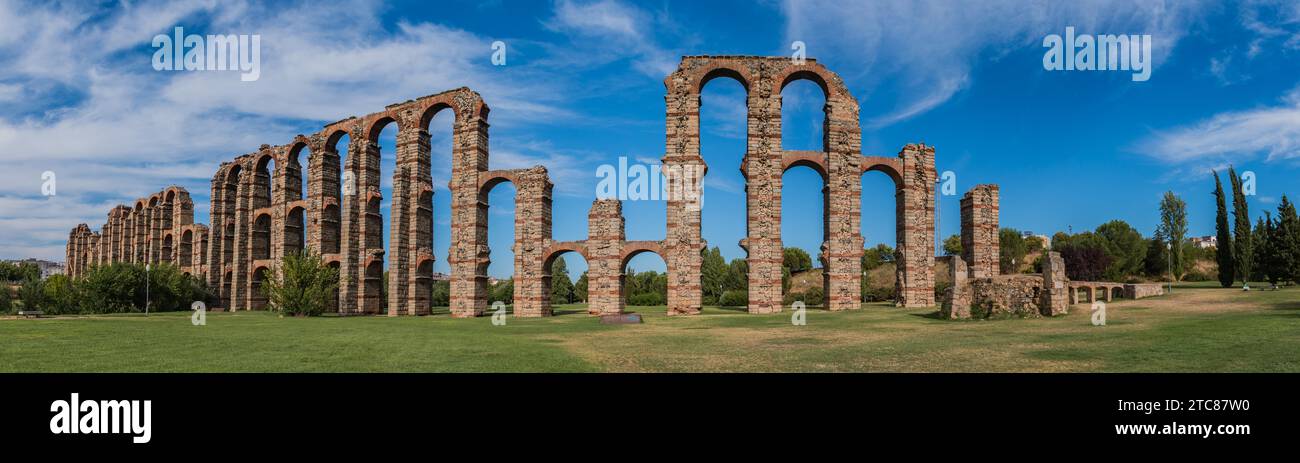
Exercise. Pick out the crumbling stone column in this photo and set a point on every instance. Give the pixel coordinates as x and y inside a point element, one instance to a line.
<point>915,227</point>
<point>843,249</point>
<point>1055,286</point>
<point>351,249</point>
<point>684,171</point>
<point>532,231</point>
<point>957,299</point>
<point>469,249</point>
<point>979,230</point>
<point>604,257</point>
<point>419,228</point>
<point>762,167</point>
<point>412,141</point>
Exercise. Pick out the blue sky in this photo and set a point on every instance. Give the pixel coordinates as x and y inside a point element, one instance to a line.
<point>583,86</point>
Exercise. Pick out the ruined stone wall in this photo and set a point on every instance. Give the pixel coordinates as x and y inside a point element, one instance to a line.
<point>1141,290</point>
<point>979,230</point>
<point>260,212</point>
<point>160,229</point>
<point>1055,286</point>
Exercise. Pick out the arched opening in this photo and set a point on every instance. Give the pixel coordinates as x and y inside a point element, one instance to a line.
<point>879,224</point>
<point>263,173</point>
<point>334,181</point>
<point>497,206</point>
<point>166,254</point>
<point>440,129</point>
<point>257,297</point>
<point>647,287</point>
<point>568,294</point>
<point>724,131</point>
<point>803,116</point>
<point>186,255</point>
<point>294,229</point>
<point>804,235</point>
<point>261,238</point>
<point>1116,292</point>
<point>295,184</point>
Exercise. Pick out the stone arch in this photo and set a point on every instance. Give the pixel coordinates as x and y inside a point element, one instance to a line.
<point>186,252</point>
<point>167,248</point>
<point>257,296</point>
<point>295,227</point>
<point>552,252</point>
<point>260,239</point>
<point>810,159</point>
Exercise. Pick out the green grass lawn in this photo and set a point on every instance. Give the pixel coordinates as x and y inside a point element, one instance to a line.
<point>1198,328</point>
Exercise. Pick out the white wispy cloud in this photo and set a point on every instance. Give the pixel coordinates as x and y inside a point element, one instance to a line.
<point>926,51</point>
<point>1231,137</point>
<point>82,99</point>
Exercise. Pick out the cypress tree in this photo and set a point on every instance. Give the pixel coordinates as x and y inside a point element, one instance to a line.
<point>1227,266</point>
<point>1242,249</point>
<point>1265,256</point>
<point>1287,241</point>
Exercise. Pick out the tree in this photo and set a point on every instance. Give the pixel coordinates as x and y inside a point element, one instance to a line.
<point>561,285</point>
<point>713,270</point>
<point>797,260</point>
<point>440,294</point>
<point>876,256</point>
<point>580,288</point>
<point>301,285</point>
<point>1011,250</point>
<point>1173,229</point>
<point>1126,248</point>
<point>1085,256</point>
<point>60,295</point>
<point>1222,232</point>
<point>1287,241</point>
<point>32,293</point>
<point>504,291</point>
<point>952,245</point>
<point>1242,250</point>
<point>6,302</point>
<point>737,276</point>
<point>1267,263</point>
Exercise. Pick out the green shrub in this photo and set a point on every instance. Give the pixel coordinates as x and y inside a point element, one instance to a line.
<point>301,285</point>
<point>814,296</point>
<point>734,298</point>
<point>60,295</point>
<point>645,299</point>
<point>441,293</point>
<point>32,294</point>
<point>6,302</point>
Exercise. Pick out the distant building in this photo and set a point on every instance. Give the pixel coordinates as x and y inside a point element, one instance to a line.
<point>439,276</point>
<point>1205,242</point>
<point>48,268</point>
<point>1047,241</point>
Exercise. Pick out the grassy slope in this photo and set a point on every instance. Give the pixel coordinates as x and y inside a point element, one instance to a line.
<point>1202,329</point>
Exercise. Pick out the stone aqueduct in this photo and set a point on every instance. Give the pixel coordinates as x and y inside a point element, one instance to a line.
<point>258,215</point>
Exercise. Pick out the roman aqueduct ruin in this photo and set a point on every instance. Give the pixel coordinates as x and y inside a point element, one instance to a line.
<point>257,215</point>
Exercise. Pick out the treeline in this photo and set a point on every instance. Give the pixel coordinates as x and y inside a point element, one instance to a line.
<point>1270,251</point>
<point>111,288</point>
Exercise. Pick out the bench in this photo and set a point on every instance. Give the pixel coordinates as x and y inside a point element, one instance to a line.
<point>31,313</point>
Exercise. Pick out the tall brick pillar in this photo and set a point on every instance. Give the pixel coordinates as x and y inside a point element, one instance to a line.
<point>684,171</point>
<point>532,231</point>
<point>763,168</point>
<point>350,242</point>
<point>843,203</point>
<point>412,152</point>
<point>604,257</point>
<point>241,260</point>
<point>419,251</point>
<point>469,249</point>
<point>979,230</point>
<point>370,228</point>
<point>915,227</point>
